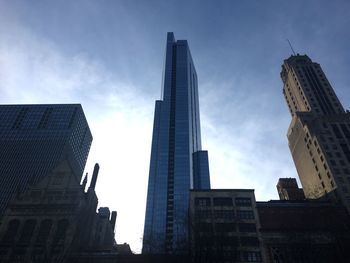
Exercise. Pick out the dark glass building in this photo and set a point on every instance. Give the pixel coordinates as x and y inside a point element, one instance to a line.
<point>34,138</point>
<point>178,163</point>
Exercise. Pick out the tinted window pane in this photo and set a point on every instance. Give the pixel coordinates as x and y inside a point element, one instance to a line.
<point>223,201</point>
<point>246,227</point>
<point>243,201</point>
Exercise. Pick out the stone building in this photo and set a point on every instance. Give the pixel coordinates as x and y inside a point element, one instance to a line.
<point>54,219</point>
<point>319,132</point>
<point>304,231</point>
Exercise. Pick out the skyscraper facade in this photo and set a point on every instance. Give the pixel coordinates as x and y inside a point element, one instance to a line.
<point>34,139</point>
<point>178,163</point>
<point>319,133</point>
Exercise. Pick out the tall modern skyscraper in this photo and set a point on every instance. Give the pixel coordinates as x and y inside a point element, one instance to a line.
<point>178,163</point>
<point>34,139</point>
<point>319,133</point>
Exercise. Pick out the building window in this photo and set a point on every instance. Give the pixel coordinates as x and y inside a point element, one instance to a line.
<point>223,201</point>
<point>27,231</point>
<point>224,214</point>
<point>249,241</point>
<point>203,214</point>
<point>11,231</point>
<point>202,201</point>
<point>251,256</point>
<point>45,118</point>
<point>336,131</point>
<point>60,235</point>
<point>247,227</point>
<point>44,231</point>
<point>226,241</point>
<point>20,118</point>
<point>245,214</point>
<point>225,227</point>
<point>243,201</point>
<point>205,227</point>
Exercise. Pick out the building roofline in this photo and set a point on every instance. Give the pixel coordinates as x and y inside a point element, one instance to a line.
<point>221,190</point>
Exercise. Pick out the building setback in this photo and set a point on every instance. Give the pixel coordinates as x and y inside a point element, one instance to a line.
<point>34,139</point>
<point>319,133</point>
<point>178,163</point>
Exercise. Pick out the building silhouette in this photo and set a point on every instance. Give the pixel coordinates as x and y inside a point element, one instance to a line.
<point>178,163</point>
<point>34,139</point>
<point>55,220</point>
<point>319,133</point>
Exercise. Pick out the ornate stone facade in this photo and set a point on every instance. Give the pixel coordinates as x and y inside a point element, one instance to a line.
<point>54,219</point>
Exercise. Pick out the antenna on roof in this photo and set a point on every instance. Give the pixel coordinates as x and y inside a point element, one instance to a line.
<point>291,46</point>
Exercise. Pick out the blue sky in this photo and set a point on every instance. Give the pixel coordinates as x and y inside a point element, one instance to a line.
<point>108,56</point>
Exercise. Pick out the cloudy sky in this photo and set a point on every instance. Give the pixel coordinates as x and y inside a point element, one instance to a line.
<point>108,56</point>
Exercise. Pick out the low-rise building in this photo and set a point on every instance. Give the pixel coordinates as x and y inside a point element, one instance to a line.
<point>224,226</point>
<point>304,231</point>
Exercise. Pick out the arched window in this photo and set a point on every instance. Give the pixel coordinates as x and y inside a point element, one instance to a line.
<point>61,230</point>
<point>11,232</point>
<point>44,231</point>
<point>27,231</point>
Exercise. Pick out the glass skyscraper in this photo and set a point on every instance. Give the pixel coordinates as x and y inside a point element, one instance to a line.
<point>34,138</point>
<point>178,163</point>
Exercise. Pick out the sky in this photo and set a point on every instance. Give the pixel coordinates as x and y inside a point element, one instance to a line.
<point>108,56</point>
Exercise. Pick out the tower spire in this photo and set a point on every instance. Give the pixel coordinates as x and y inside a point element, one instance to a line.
<point>85,181</point>
<point>94,176</point>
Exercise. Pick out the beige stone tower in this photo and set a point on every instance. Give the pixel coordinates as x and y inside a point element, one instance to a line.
<point>319,133</point>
